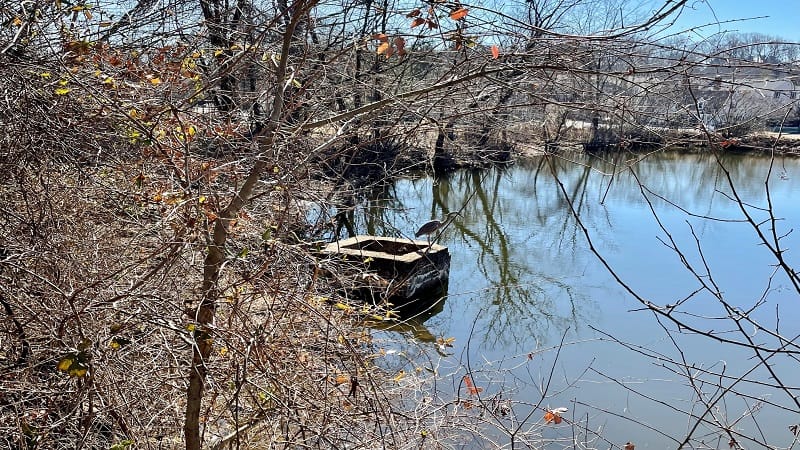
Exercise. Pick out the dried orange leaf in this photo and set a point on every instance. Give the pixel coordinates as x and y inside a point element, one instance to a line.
<point>417,22</point>
<point>549,417</point>
<point>495,52</point>
<point>380,37</point>
<point>474,390</point>
<point>400,43</point>
<point>554,415</point>
<point>459,14</point>
<point>414,13</point>
<point>628,446</point>
<point>383,48</point>
<point>471,388</point>
<point>432,25</point>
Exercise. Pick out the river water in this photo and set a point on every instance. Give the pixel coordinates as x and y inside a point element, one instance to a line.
<point>524,280</point>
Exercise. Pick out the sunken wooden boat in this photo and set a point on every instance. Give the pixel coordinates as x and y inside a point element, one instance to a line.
<point>401,271</point>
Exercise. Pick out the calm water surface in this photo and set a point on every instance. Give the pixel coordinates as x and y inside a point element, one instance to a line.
<point>523,278</point>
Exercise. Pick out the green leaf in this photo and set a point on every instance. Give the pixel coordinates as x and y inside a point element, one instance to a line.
<point>65,363</point>
<point>121,445</point>
<point>74,364</point>
<point>118,342</point>
<point>78,371</point>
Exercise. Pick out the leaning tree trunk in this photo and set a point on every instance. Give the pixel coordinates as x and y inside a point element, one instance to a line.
<point>212,266</point>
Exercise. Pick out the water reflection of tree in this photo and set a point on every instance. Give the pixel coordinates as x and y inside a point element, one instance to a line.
<point>527,297</point>
<point>518,308</point>
<point>744,375</point>
<point>375,215</point>
<point>525,243</point>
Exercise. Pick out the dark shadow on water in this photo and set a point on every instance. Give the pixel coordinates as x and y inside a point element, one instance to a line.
<point>411,317</point>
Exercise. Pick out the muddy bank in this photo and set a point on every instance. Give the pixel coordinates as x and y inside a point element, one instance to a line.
<point>370,163</point>
<point>764,142</point>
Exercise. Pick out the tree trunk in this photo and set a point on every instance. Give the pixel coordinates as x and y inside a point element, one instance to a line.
<point>443,160</point>
<point>212,266</point>
<point>204,314</point>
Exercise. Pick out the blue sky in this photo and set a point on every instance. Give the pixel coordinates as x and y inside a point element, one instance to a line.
<point>783,17</point>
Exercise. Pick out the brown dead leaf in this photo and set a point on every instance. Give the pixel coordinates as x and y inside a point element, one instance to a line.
<point>459,14</point>
<point>400,44</point>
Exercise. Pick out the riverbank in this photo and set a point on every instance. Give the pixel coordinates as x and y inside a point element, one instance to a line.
<point>761,143</point>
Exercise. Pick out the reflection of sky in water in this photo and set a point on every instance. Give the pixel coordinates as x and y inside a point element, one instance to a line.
<point>522,274</point>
